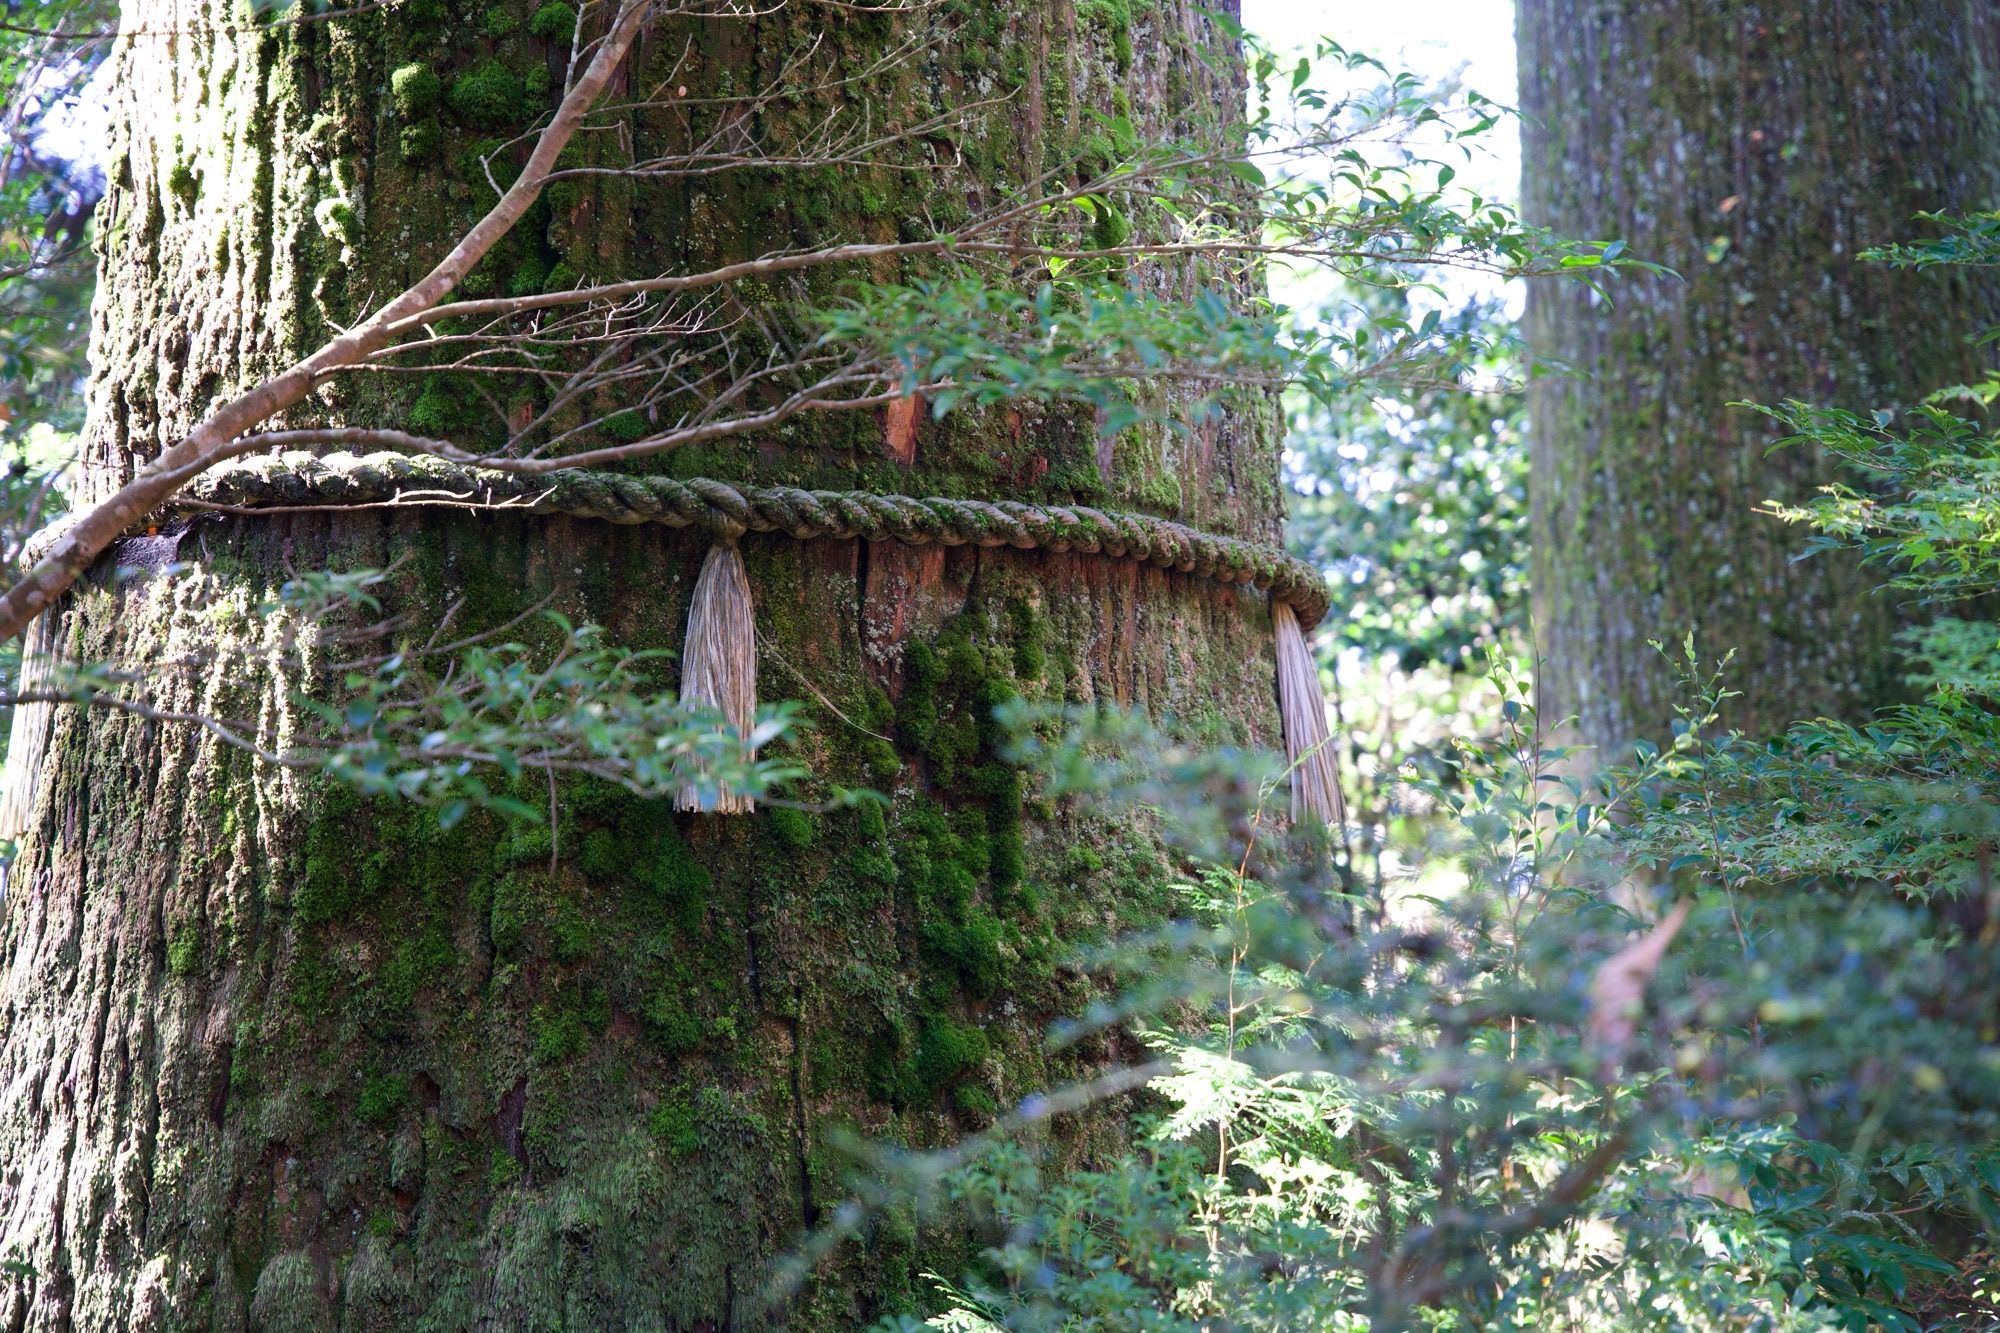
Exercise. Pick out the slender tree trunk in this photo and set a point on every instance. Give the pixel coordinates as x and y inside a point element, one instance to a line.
<point>272,1056</point>
<point>1754,146</point>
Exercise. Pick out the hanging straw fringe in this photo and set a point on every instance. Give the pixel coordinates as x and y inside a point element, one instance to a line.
<point>719,663</point>
<point>1302,709</point>
<point>29,739</point>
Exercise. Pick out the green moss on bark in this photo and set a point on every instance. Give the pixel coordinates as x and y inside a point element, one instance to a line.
<point>583,1077</point>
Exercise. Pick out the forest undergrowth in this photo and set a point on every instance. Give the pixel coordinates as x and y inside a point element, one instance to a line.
<point>1702,1036</point>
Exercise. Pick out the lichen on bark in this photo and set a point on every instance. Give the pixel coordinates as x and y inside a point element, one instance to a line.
<point>1755,147</point>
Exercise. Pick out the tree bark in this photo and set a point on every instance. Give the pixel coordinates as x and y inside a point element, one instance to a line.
<point>273,1056</point>
<point>1755,147</point>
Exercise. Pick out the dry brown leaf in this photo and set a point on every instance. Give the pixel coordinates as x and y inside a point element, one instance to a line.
<point>1618,991</point>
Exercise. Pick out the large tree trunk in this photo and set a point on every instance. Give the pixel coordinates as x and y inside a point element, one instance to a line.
<point>1754,146</point>
<point>276,1057</point>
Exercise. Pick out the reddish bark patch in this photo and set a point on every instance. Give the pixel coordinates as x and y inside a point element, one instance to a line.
<point>899,428</point>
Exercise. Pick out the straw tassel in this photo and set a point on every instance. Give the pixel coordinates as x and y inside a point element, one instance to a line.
<point>719,664</point>
<point>29,739</point>
<point>1302,709</point>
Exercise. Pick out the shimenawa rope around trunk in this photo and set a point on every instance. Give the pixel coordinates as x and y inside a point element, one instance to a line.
<point>718,667</point>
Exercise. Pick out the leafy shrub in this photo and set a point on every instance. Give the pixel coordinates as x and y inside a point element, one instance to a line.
<point>1704,1040</point>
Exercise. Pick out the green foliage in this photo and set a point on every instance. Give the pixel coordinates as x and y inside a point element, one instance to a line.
<point>1418,509</point>
<point>1068,340</point>
<point>1704,1040</point>
<point>1972,238</point>
<point>1463,1095</point>
<point>1314,184</point>
<point>483,722</point>
<point>423,724</point>
<point>1465,1106</point>
<point>47,272</point>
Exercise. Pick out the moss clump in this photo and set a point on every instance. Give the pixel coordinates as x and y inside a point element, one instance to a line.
<point>523,845</point>
<point>422,142</point>
<point>675,878</point>
<point>553,22</point>
<point>940,861</point>
<point>625,427</point>
<point>641,848</point>
<point>183,183</point>
<point>1030,639</point>
<point>490,97</point>
<point>562,1028</point>
<point>416,90</point>
<point>936,719</point>
<point>508,917</point>
<point>483,158</point>
<point>449,407</point>
<point>669,1020</point>
<point>184,950</point>
<point>1007,840</point>
<point>382,1096</point>
<point>870,860</point>
<point>329,887</point>
<point>673,1124</point>
<point>792,829</point>
<point>972,946</point>
<point>1110,229</point>
<point>877,716</point>
<point>946,1050</point>
<point>504,1172</point>
<point>598,857</point>
<point>712,1122</point>
<point>1112,18</point>
<point>309,981</point>
<point>288,1297</point>
<point>949,715</point>
<point>417,960</point>
<point>571,932</point>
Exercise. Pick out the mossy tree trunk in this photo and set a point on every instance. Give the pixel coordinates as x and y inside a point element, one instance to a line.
<point>1755,147</point>
<point>272,1056</point>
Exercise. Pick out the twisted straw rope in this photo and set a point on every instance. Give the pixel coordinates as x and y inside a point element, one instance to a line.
<point>728,509</point>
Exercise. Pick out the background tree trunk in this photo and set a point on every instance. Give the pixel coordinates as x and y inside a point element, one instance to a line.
<point>275,1057</point>
<point>1755,146</point>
